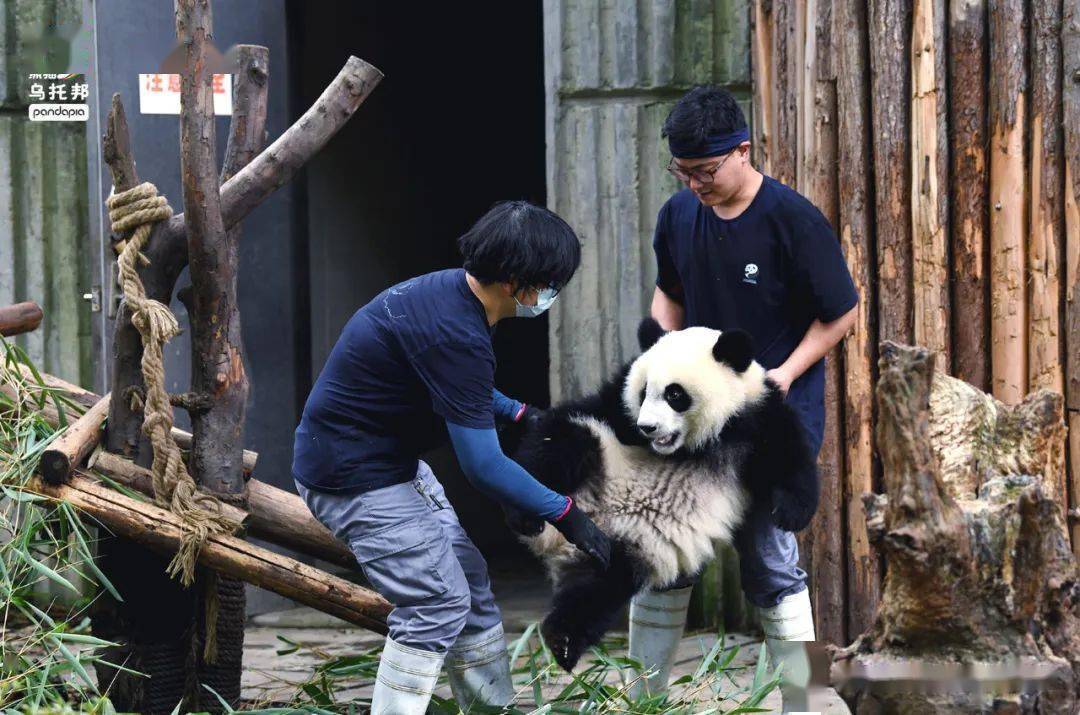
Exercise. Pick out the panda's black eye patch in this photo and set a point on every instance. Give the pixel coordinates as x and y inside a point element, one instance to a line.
<point>641,397</point>
<point>676,396</point>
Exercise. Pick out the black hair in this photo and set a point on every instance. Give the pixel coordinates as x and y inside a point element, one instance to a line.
<point>520,242</point>
<point>703,111</point>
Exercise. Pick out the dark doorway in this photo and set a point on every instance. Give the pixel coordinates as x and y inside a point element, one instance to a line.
<point>456,125</point>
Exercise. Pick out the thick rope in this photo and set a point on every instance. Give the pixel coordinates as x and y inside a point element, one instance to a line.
<point>174,489</point>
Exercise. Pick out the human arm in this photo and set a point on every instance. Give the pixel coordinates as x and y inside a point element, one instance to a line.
<point>819,340</point>
<point>505,408</point>
<point>666,311</point>
<point>495,474</point>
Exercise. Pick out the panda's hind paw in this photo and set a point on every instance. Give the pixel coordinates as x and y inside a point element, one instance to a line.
<point>790,511</point>
<point>564,646</point>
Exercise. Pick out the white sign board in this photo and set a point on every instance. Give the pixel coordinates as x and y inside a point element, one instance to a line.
<point>160,94</point>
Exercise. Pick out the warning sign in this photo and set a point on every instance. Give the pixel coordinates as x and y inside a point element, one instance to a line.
<point>160,94</point>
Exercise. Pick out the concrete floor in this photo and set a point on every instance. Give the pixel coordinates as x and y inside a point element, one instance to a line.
<point>273,679</point>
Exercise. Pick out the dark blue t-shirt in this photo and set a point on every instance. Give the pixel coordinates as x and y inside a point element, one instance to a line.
<point>417,356</point>
<point>770,271</point>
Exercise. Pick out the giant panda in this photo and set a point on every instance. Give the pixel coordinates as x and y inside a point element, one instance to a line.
<point>666,458</point>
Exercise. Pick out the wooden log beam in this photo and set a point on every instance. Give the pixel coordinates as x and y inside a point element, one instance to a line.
<point>856,211</point>
<point>1070,46</point>
<point>19,318</point>
<point>1008,90</point>
<point>273,514</point>
<point>160,530</point>
<point>929,180</point>
<point>890,82</point>
<point>785,87</point>
<point>74,445</point>
<point>88,399</point>
<point>969,209</point>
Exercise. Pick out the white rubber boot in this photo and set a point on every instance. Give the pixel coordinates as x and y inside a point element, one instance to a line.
<point>405,680</point>
<point>478,668</point>
<point>657,620</point>
<point>788,625</point>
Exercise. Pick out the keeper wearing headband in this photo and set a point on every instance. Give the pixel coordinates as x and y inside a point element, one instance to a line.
<point>736,249</point>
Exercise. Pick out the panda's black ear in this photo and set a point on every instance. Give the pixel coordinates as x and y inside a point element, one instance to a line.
<point>648,332</point>
<point>736,348</point>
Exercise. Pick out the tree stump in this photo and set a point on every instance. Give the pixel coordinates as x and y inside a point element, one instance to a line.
<point>980,609</point>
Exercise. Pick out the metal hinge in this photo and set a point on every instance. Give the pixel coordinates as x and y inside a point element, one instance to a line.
<point>94,296</point>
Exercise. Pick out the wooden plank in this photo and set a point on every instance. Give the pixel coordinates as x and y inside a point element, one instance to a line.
<point>969,208</point>
<point>889,39</point>
<point>1008,326</point>
<point>1070,45</point>
<point>929,183</point>
<point>763,119</point>
<point>1046,206</point>
<point>860,356</point>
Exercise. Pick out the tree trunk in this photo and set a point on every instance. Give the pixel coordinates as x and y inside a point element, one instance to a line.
<point>856,210</point>
<point>980,581</point>
<point>1008,325</point>
<point>970,212</point>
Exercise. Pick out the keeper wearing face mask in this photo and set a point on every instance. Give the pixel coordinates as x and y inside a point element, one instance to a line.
<point>410,367</point>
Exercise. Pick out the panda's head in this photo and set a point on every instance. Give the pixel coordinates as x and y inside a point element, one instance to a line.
<point>686,384</point>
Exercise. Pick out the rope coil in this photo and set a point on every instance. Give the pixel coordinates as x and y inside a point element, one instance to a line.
<point>137,210</point>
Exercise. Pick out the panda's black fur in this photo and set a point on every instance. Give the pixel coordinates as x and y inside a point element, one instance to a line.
<point>762,446</point>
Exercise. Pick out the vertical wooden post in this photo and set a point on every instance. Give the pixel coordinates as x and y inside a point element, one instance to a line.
<point>763,119</point>
<point>785,64</point>
<point>1070,45</point>
<point>929,180</point>
<point>818,181</point>
<point>890,36</point>
<point>1008,328</point>
<point>1045,233</point>
<point>968,192</point>
<point>856,211</point>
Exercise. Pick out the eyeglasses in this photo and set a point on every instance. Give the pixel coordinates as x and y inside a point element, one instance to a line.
<point>704,174</point>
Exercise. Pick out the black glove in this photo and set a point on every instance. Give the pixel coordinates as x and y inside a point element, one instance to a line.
<point>580,531</point>
<point>522,523</point>
<point>531,416</point>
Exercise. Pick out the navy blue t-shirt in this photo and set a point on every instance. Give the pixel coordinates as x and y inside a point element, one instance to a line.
<point>770,271</point>
<point>417,356</point>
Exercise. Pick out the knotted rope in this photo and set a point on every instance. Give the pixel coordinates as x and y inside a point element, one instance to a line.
<point>200,514</point>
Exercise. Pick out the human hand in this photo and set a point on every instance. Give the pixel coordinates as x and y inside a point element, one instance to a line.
<point>781,378</point>
<point>583,533</point>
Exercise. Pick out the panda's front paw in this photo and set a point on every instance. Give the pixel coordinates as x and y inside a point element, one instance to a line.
<point>790,511</point>
<point>565,646</point>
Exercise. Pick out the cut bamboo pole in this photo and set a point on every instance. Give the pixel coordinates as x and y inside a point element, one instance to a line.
<point>1008,328</point>
<point>74,445</point>
<point>19,318</point>
<point>929,171</point>
<point>1070,45</point>
<point>968,192</point>
<point>1045,234</point>
<point>856,212</point>
<point>160,530</point>
<point>889,41</point>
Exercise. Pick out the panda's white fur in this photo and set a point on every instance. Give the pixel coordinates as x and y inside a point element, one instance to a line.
<point>665,484</point>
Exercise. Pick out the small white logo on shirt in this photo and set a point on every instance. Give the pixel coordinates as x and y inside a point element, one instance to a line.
<point>750,273</point>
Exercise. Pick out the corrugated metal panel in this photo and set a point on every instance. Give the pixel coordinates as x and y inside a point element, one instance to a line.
<point>44,238</point>
<point>613,69</point>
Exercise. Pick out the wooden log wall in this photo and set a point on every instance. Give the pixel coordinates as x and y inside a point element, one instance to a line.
<point>933,135</point>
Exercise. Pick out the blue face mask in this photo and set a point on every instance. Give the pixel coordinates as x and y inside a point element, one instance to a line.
<point>544,299</point>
